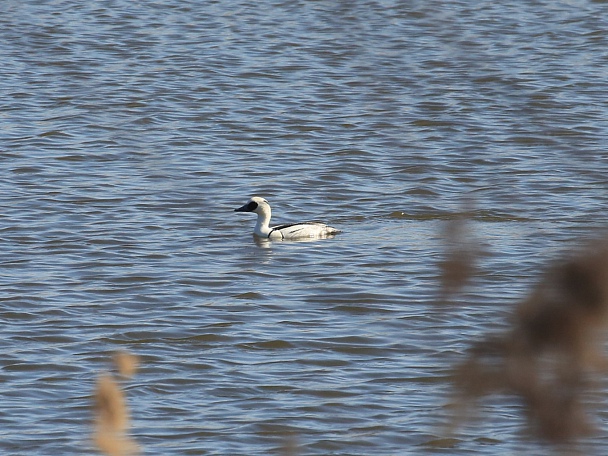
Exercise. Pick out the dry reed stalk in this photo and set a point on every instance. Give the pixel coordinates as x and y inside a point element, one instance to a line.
<point>552,350</point>
<point>111,411</point>
<point>459,264</point>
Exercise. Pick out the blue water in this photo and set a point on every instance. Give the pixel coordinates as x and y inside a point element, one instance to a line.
<point>129,131</point>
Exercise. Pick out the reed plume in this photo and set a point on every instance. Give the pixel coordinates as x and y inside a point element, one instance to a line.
<point>111,411</point>
<point>552,350</point>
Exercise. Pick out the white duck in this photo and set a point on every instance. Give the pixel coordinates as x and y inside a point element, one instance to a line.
<point>306,230</point>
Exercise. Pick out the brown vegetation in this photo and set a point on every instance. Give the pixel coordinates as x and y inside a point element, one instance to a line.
<point>111,411</point>
<point>552,350</point>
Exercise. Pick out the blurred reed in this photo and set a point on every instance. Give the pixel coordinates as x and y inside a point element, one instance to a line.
<point>551,352</point>
<point>111,412</point>
<point>459,263</point>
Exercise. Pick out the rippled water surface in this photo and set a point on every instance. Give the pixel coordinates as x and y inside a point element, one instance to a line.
<point>130,130</point>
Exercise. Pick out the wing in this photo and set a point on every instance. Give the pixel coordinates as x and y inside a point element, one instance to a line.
<point>293,230</point>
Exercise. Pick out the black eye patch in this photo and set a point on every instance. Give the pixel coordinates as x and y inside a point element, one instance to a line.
<point>249,207</point>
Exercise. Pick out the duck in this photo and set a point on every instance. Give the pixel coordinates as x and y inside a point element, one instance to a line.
<point>306,230</point>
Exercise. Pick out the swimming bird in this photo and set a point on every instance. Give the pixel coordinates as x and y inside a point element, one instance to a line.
<point>306,230</point>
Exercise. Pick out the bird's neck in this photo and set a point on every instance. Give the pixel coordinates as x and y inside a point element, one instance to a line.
<point>262,225</point>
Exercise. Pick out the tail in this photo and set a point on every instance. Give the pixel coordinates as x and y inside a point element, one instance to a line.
<point>331,231</point>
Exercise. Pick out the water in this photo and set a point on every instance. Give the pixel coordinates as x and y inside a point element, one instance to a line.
<point>129,131</point>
